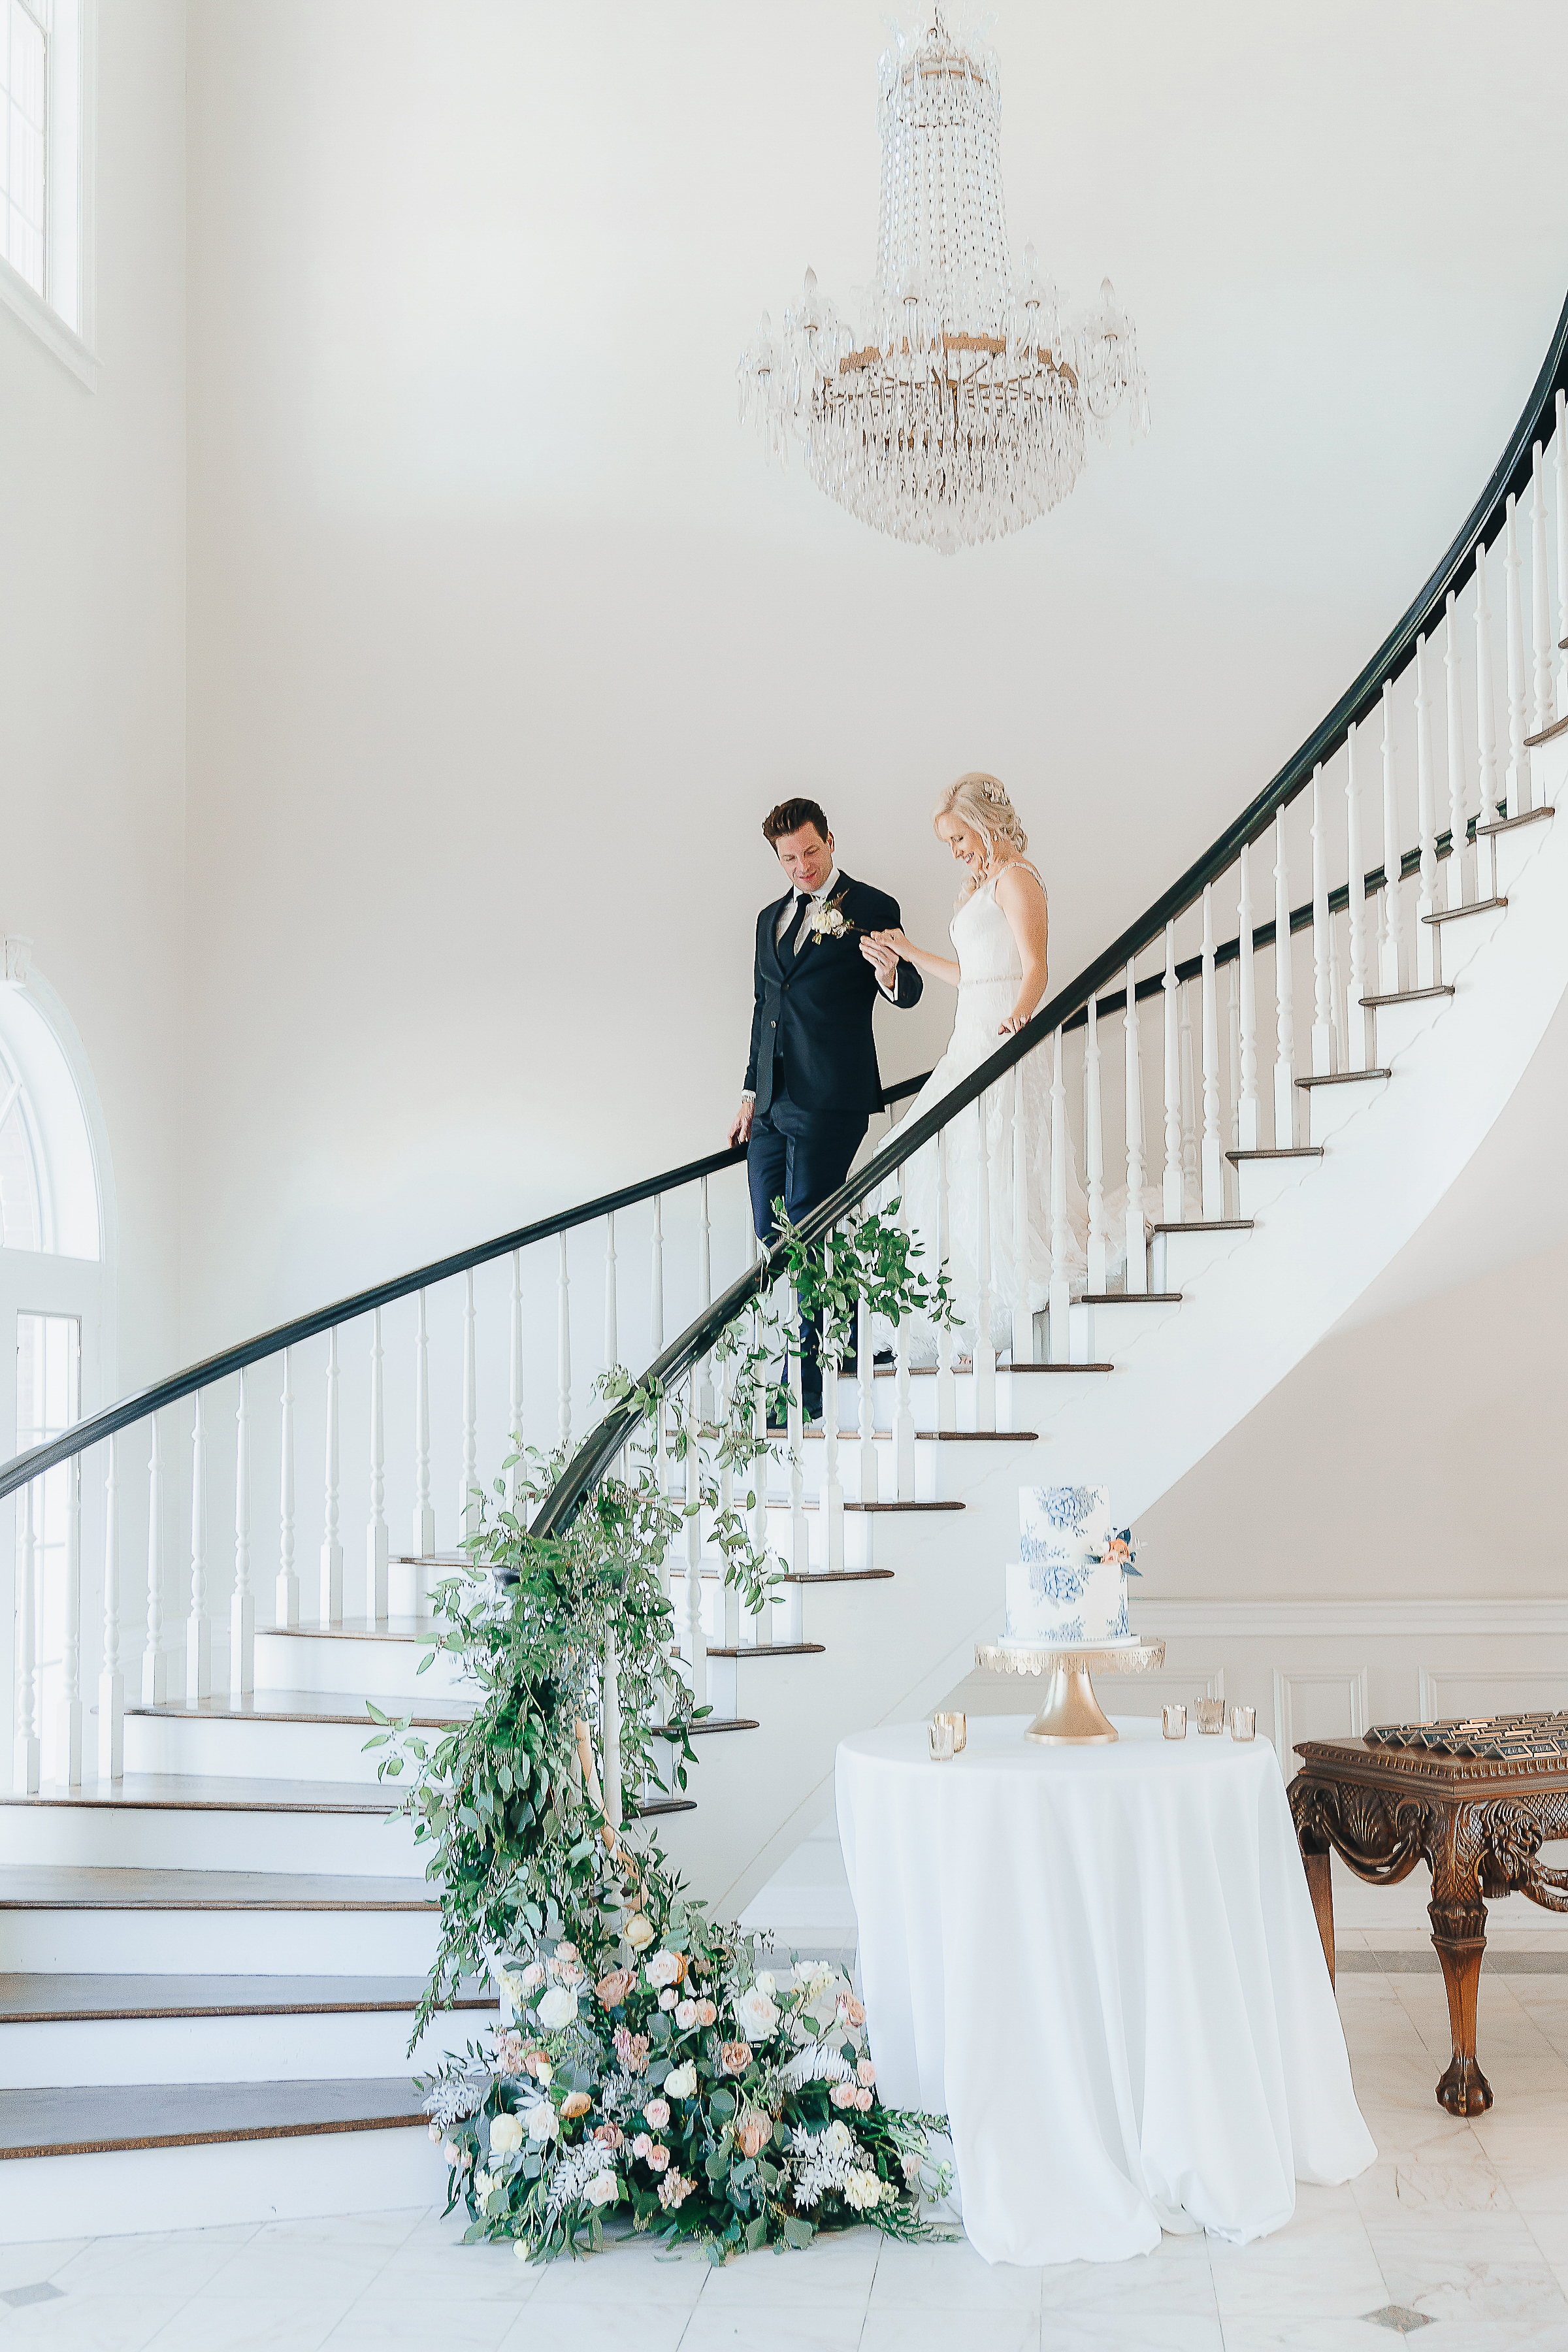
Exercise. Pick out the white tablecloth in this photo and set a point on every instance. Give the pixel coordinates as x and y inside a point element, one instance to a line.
<point>1101,1964</point>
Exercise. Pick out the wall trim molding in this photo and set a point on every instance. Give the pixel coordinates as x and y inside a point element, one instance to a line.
<point>1305,1618</point>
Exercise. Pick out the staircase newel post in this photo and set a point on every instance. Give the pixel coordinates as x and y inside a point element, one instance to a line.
<point>1137,1239</point>
<point>946,1387</point>
<point>1249,1125</point>
<point>1390,963</point>
<point>1457,884</point>
<point>198,1627</point>
<point>696,1643</point>
<point>1322,938</point>
<point>1284,998</point>
<point>1357,1056</point>
<point>517,1475</point>
<point>423,1514</point>
<point>1428,959</point>
<point>376,1545</point>
<point>1098,1275</point>
<point>1539,597</point>
<point>1214,1150</point>
<point>111,1680</point>
<point>832,1489</point>
<point>1487,803</point>
<point>1023,1238</point>
<point>242,1607</point>
<point>984,1344</point>
<point>1560,499</point>
<point>1518,724</point>
<point>470,1472</point>
<point>155,1661</point>
<point>1059,1318</point>
<point>1175,1208</point>
<point>904,1420</point>
<point>29,1758</point>
<point>68,1722</point>
<point>330,1608</point>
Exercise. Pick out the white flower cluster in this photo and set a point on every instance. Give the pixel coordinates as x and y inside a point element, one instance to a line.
<point>456,2099</point>
<point>828,2164</point>
<point>588,2171</point>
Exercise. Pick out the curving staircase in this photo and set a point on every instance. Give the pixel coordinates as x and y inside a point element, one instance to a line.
<point>212,1938</point>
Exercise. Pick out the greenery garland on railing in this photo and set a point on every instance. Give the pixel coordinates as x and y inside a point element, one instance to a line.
<point>642,2066</point>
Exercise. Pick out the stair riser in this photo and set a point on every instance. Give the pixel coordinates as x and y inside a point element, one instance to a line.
<point>1177,1259</point>
<point>1462,942</point>
<point>1333,1108</point>
<point>111,1837</point>
<point>308,1943</point>
<point>235,2181</point>
<point>378,1670</point>
<point>1261,1183</point>
<point>272,1751</point>
<point>230,2049</point>
<point>1101,1335</point>
<point>1399,1025</point>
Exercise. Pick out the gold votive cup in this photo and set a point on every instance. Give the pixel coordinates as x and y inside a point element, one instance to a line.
<point>1244,1723</point>
<point>959,1722</point>
<point>1210,1713</point>
<point>940,1729</point>
<point>1174,1720</point>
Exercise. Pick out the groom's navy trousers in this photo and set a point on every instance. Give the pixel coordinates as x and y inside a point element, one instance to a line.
<point>800,1156</point>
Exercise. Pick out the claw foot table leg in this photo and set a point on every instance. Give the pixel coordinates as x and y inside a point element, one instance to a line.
<point>1460,1938</point>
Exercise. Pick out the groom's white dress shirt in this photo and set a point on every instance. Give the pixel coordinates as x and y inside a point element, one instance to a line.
<point>787,922</point>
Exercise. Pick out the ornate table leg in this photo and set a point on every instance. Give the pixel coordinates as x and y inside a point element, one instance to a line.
<point>1458,1917</point>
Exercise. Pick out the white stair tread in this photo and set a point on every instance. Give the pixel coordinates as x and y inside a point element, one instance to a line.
<point>361,1629</point>
<point>55,1996</point>
<point>57,1887</point>
<point>216,1792</point>
<point>108,2115</point>
<point>303,1707</point>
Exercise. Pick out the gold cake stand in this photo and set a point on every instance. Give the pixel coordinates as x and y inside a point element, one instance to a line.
<point>1071,1714</point>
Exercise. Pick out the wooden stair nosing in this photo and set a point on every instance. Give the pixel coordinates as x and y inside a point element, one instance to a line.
<point>1407,996</point>
<point>936,1436</point>
<point>292,1706</point>
<point>655,1808</point>
<point>63,1996</point>
<point>837,1576</point>
<point>1342,1078</point>
<point>1278,1151</point>
<point>1207,1225</point>
<point>212,1792</point>
<point>426,1629</point>
<point>814,1503</point>
<point>103,2118</point>
<point>67,1887</point>
<point>1526,816</point>
<point>708,1723</point>
<point>1452,914</point>
<point>768,1650</point>
<point>1024,1370</point>
<point>1129,1298</point>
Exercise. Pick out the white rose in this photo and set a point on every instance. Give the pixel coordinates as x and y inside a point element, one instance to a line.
<point>506,2135</point>
<point>664,1968</point>
<point>681,2081</point>
<point>755,2013</point>
<point>602,2189</point>
<point>483,2184</point>
<point>666,1999</point>
<point>557,2008</point>
<point>685,2014</point>
<point>533,1976</point>
<point>640,1932</point>
<point>543,2124</point>
<point>765,1983</point>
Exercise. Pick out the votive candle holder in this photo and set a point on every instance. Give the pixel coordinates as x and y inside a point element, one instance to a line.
<point>1175,1721</point>
<point>1244,1723</point>
<point>1211,1715</point>
<point>940,1729</point>
<point>959,1722</point>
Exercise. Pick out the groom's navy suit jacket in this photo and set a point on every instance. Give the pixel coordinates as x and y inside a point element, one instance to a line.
<point>814,1017</point>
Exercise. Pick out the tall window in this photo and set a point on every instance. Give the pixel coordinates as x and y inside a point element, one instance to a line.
<point>46,157</point>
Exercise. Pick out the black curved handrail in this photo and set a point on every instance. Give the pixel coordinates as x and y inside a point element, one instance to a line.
<point>115,1417</point>
<point>1512,470</point>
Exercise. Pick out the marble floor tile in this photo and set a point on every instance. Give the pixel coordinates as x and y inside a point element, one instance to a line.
<point>469,2326</point>
<point>24,2265</point>
<point>166,2265</point>
<point>1468,2267</point>
<point>1334,2278</point>
<point>835,2270</point>
<point>252,2324</point>
<point>950,2278</point>
<point>628,2271</point>
<point>1088,2331</point>
<point>1138,2289</point>
<point>103,2321</point>
<point>773,2330</point>
<point>599,2327</point>
<point>454,2274</point>
<point>943,2331</point>
<point>1550,2231</point>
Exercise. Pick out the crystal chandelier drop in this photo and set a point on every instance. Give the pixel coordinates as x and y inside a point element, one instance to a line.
<point>959,407</point>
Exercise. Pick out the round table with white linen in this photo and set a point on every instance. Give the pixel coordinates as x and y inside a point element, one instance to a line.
<point>1102,1965</point>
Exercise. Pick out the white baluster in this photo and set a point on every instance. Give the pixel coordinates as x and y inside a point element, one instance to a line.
<point>832,1499</point>
<point>656,1302</point>
<point>1486,726</point>
<point>760,1467</point>
<point>1284,998</point>
<point>1214,1148</point>
<point>1137,1245</point>
<point>610,1730</point>
<point>111,1680</point>
<point>1248,1125</point>
<point>1192,1187</point>
<point>1023,1238</point>
<point>1337,999</point>
<point>869,1474</point>
<point>242,1607</point>
<point>904,1423</point>
<point>1540,599</point>
<point>1390,944</point>
<point>1173,1208</point>
<point>1094,1173</point>
<point>1457,886</point>
<point>729,1595</point>
<point>612,1319</point>
<point>1059,1321</point>
<point>376,1545</point>
<point>1428,954</point>
<point>155,1658</point>
<point>29,1754</point>
<point>1357,1056</point>
<point>467,1509</point>
<point>1560,499</point>
<point>946,1387</point>
<point>1233,1023</point>
<point>330,1605</point>
<point>696,1642</point>
<point>517,1473</point>
<point>564,1350</point>
<point>198,1626</point>
<point>799,1540</point>
<point>705,1299</point>
<point>68,1720</point>
<point>423,1514</point>
<point>985,1347</point>
<point>1518,724</point>
<point>1322,938</point>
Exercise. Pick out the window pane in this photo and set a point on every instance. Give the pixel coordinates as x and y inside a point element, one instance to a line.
<point>22,87</point>
<point>19,1221</point>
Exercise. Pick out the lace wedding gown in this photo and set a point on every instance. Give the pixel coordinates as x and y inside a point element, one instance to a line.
<point>990,970</point>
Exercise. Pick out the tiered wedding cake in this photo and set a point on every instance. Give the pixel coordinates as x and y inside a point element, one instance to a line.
<point>1069,1587</point>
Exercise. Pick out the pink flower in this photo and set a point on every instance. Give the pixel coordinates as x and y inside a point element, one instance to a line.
<point>631,2049</point>
<point>575,2104</point>
<point>674,2190</point>
<point>734,2056</point>
<point>852,2011</point>
<point>641,2144</point>
<point>706,2013</point>
<point>843,2095</point>
<point>610,2136</point>
<point>656,2158</point>
<point>863,2101</point>
<point>685,2014</point>
<point>613,1989</point>
<point>666,1998</point>
<point>657,2114</point>
<point>752,2132</point>
<point>866,2072</point>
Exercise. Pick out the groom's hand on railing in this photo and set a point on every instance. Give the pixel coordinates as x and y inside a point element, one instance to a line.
<point>741,1125</point>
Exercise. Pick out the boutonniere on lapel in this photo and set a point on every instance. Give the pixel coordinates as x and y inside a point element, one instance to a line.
<point>828,921</point>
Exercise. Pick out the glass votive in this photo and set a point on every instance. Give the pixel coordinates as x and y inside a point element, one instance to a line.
<point>1244,1723</point>
<point>940,1730</point>
<point>959,1722</point>
<point>1211,1715</point>
<point>1175,1721</point>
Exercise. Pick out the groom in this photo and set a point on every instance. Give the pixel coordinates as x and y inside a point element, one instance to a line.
<point>812,1081</point>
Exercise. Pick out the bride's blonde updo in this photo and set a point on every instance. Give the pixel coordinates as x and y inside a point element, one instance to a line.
<point>981,801</point>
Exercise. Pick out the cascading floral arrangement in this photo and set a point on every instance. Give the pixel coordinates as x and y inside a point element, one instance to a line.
<point>643,2067</point>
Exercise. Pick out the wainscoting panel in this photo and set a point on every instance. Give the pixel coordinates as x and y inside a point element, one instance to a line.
<point>1451,1691</point>
<point>1151,1693</point>
<point>1328,1704</point>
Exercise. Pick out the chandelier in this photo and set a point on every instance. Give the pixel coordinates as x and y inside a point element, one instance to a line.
<point>958,408</point>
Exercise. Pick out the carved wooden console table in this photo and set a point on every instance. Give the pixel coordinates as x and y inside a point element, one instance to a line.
<point>1476,1801</point>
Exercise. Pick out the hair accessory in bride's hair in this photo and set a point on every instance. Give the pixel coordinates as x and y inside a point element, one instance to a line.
<point>993,792</point>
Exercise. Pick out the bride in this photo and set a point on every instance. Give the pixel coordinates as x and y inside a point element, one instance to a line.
<point>999,933</point>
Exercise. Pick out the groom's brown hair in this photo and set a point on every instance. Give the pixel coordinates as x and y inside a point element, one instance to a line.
<point>790,815</point>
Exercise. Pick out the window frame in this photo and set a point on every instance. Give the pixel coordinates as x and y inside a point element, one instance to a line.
<point>63,316</point>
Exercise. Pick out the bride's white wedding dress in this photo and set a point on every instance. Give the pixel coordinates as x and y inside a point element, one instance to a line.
<point>991,970</point>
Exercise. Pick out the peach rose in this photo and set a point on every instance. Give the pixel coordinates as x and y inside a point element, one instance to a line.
<point>658,2157</point>
<point>734,2056</point>
<point>610,2136</point>
<point>843,2095</point>
<point>575,2104</point>
<point>706,2013</point>
<point>866,2072</point>
<point>538,2065</point>
<point>853,2011</point>
<point>613,1989</point>
<point>752,2132</point>
<point>863,2101</point>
